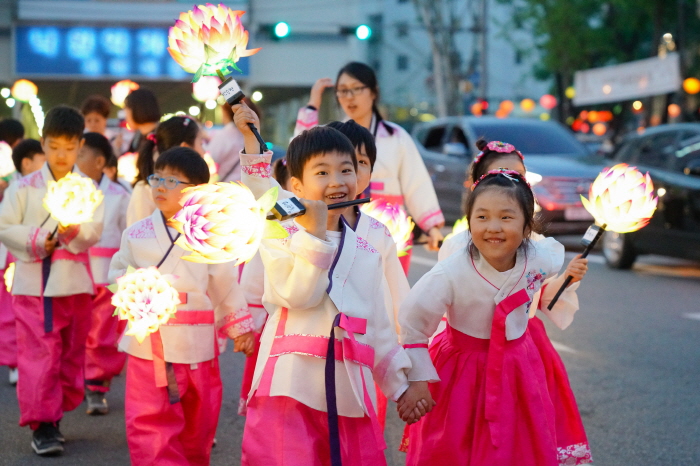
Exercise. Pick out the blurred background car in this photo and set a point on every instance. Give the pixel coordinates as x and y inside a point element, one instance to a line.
<point>671,155</point>
<point>560,168</point>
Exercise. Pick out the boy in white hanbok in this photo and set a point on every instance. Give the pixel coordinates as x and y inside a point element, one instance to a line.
<point>173,388</point>
<point>52,287</point>
<point>103,360</point>
<point>312,397</point>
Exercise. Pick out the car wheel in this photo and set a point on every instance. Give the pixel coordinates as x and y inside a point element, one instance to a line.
<point>618,250</point>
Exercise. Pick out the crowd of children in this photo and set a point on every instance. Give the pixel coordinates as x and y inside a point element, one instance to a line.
<point>326,317</point>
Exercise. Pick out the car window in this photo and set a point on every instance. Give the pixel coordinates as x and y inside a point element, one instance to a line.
<point>686,136</point>
<point>687,154</point>
<point>434,138</point>
<point>540,139</point>
<point>657,150</point>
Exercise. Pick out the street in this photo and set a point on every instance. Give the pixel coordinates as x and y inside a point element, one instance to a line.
<point>632,354</point>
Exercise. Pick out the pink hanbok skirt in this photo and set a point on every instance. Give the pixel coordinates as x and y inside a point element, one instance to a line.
<point>457,432</point>
<point>572,444</point>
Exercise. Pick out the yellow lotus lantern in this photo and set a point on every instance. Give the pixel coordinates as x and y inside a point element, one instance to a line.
<point>72,200</point>
<point>9,276</point>
<point>122,89</point>
<point>23,90</point>
<point>208,39</point>
<point>207,88</point>
<point>222,222</point>
<point>145,299</point>
<point>621,199</point>
<point>127,168</point>
<point>7,166</point>
<point>394,217</point>
<point>460,226</point>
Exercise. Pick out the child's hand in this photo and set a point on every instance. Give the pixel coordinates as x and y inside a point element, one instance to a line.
<point>317,92</point>
<point>66,230</point>
<point>577,268</point>
<point>244,343</point>
<point>315,219</point>
<point>434,238</point>
<point>50,245</point>
<point>242,116</point>
<point>415,402</point>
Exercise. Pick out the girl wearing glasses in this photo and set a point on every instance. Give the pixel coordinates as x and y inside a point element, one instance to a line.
<point>173,132</point>
<point>399,175</point>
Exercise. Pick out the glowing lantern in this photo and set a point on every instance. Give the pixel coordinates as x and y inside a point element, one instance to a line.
<point>7,166</point>
<point>593,117</point>
<point>674,110</point>
<point>122,89</point>
<point>145,299</point>
<point>72,200</point>
<point>570,92</point>
<point>127,168</point>
<point>599,129</point>
<point>691,85</point>
<point>477,109</point>
<point>207,88</point>
<point>622,199</point>
<point>9,276</point>
<point>460,226</point>
<point>527,105</point>
<point>394,217</point>
<point>23,90</point>
<point>213,167</point>
<point>222,222</point>
<point>548,101</point>
<point>208,39</point>
<point>507,106</point>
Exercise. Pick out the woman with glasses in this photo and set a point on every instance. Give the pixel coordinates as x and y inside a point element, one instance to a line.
<point>173,132</point>
<point>399,175</point>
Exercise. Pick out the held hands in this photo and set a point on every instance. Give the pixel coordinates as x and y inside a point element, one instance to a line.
<point>415,403</point>
<point>577,268</point>
<point>317,92</point>
<point>242,116</point>
<point>244,344</point>
<point>315,220</point>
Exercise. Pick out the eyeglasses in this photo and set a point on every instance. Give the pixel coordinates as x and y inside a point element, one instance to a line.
<point>169,182</point>
<point>346,93</point>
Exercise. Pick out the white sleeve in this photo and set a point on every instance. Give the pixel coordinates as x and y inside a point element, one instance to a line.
<point>230,308</point>
<point>141,204</point>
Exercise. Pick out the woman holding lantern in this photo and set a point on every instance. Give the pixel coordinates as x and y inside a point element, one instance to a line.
<point>399,176</point>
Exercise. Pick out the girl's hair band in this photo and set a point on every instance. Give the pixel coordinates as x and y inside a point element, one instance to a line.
<point>500,147</point>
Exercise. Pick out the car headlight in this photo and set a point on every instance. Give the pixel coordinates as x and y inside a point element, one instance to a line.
<point>533,178</point>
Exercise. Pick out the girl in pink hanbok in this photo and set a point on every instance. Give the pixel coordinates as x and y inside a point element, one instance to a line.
<point>484,372</point>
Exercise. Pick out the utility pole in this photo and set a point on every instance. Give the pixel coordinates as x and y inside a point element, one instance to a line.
<point>483,83</point>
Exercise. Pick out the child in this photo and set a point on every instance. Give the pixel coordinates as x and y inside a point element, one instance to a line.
<point>572,442</point>
<point>306,387</point>
<point>52,287</point>
<point>487,376</point>
<point>95,110</point>
<point>395,284</point>
<point>28,157</point>
<point>173,132</point>
<point>157,431</point>
<point>102,360</point>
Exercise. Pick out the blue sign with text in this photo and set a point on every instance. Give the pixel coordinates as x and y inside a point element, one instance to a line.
<point>98,52</point>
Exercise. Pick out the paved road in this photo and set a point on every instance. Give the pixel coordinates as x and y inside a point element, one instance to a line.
<point>633,356</point>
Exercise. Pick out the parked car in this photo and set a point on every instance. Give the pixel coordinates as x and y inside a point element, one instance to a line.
<point>671,155</point>
<point>560,168</point>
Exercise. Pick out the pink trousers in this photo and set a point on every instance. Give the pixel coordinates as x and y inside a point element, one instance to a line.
<point>280,431</point>
<point>50,364</point>
<point>103,360</point>
<point>160,433</point>
<point>8,333</point>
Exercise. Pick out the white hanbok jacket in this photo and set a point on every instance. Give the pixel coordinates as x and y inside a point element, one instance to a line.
<point>141,203</point>
<point>211,299</point>
<point>458,287</point>
<point>116,200</point>
<point>308,284</point>
<point>24,226</point>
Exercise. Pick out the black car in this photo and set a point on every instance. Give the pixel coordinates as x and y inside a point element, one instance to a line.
<point>671,155</point>
<point>560,168</point>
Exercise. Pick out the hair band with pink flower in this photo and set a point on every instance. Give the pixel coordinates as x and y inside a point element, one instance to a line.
<point>500,147</point>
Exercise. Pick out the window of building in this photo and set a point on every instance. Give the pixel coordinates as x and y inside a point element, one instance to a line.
<point>402,30</point>
<point>402,62</point>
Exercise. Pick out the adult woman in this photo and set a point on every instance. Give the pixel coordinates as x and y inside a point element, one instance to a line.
<point>142,114</point>
<point>399,175</point>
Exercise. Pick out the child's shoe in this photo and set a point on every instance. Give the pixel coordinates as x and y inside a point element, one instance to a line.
<point>45,440</point>
<point>13,376</point>
<point>97,403</point>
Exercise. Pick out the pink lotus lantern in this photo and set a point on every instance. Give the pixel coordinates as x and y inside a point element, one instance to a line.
<point>208,39</point>
<point>460,226</point>
<point>394,217</point>
<point>122,89</point>
<point>7,166</point>
<point>127,168</point>
<point>222,222</point>
<point>213,167</point>
<point>207,88</point>
<point>145,299</point>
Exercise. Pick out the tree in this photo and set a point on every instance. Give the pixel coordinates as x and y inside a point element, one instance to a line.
<point>442,21</point>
